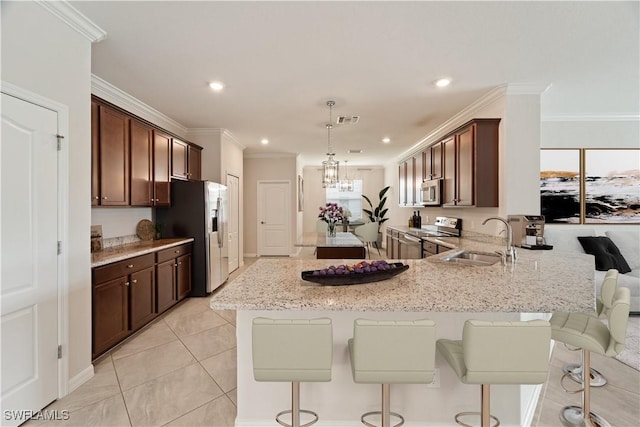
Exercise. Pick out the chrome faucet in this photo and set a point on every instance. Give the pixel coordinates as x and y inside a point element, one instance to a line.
<point>510,253</point>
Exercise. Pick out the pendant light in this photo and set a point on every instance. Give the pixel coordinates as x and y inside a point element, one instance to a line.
<point>330,166</point>
<point>346,184</point>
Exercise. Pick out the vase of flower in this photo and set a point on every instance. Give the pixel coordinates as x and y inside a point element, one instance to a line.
<point>331,229</point>
<point>331,213</point>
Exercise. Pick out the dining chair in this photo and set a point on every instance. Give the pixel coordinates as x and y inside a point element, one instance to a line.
<point>368,233</point>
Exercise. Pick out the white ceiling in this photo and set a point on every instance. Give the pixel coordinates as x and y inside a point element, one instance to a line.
<point>281,62</point>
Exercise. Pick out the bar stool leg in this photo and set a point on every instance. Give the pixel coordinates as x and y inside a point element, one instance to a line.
<point>485,410</point>
<point>295,410</point>
<point>577,416</point>
<point>386,403</point>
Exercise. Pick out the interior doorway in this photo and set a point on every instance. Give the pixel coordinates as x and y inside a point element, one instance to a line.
<point>32,265</point>
<point>233,185</point>
<point>274,219</point>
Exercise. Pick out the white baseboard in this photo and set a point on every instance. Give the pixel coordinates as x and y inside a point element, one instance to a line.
<point>84,376</point>
<point>246,255</point>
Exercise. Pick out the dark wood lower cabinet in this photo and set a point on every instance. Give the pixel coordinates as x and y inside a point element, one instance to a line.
<point>183,275</point>
<point>166,285</point>
<point>110,314</point>
<point>129,294</point>
<point>142,302</point>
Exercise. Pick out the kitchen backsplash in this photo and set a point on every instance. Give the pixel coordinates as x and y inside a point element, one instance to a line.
<point>119,241</point>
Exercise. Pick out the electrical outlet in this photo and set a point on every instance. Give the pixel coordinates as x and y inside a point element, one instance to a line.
<point>435,383</point>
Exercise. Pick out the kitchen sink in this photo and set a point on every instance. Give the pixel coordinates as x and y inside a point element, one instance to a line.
<point>472,258</point>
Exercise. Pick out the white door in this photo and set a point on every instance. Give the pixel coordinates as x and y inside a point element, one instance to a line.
<point>274,225</point>
<point>29,264</point>
<point>233,186</point>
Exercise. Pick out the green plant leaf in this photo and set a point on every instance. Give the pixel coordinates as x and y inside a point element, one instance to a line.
<point>384,191</point>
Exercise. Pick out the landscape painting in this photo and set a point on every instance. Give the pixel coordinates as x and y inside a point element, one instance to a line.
<point>560,186</point>
<point>612,186</point>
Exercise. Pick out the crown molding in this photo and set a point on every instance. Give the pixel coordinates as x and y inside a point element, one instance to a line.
<point>221,132</point>
<point>109,92</point>
<point>74,19</point>
<point>605,117</point>
<point>457,120</point>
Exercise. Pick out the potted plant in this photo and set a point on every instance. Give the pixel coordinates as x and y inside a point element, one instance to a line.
<point>378,214</point>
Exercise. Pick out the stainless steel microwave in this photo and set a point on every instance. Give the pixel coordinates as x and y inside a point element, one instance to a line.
<point>431,192</point>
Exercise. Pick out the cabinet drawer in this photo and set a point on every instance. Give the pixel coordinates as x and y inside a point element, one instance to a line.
<point>122,268</point>
<point>170,253</point>
<point>432,248</point>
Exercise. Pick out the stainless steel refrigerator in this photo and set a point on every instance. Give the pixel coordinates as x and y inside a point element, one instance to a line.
<point>199,209</point>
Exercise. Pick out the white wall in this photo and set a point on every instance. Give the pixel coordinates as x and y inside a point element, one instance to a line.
<point>267,168</point>
<point>117,222</point>
<point>590,134</point>
<point>47,57</point>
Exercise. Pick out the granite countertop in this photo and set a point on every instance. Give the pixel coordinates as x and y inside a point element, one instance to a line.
<point>539,282</point>
<point>118,253</point>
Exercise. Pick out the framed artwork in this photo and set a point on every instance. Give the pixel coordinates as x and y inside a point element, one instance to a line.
<point>560,185</point>
<point>590,186</point>
<point>612,186</point>
<point>300,193</point>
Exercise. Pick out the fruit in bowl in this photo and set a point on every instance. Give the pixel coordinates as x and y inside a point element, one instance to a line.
<point>357,268</point>
<point>353,274</point>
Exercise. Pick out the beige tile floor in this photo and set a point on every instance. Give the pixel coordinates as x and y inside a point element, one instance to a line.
<point>181,371</point>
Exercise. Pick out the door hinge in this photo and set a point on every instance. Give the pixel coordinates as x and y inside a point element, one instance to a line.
<point>59,352</point>
<point>59,247</point>
<point>60,138</point>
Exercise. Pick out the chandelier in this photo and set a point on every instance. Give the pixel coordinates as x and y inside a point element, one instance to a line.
<point>346,184</point>
<point>330,166</point>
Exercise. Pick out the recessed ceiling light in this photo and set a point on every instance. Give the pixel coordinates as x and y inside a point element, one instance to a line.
<point>443,82</point>
<point>216,86</point>
<point>264,141</point>
<point>386,140</point>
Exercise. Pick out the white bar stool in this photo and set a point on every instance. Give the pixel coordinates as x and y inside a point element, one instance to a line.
<point>603,304</point>
<point>591,335</point>
<point>286,350</point>
<point>498,353</point>
<point>392,352</point>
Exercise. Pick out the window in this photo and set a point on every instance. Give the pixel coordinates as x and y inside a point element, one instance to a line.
<point>351,200</point>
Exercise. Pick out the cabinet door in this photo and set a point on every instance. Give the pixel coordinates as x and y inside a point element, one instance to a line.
<point>418,178</point>
<point>410,187</point>
<point>436,161</point>
<point>95,154</point>
<point>184,275</point>
<point>390,246</point>
<point>166,285</point>
<point>179,159</point>
<point>114,157</point>
<point>142,300</point>
<point>465,174</point>
<point>449,172</point>
<point>110,313</point>
<point>141,164</point>
<point>402,184</point>
<point>161,169</point>
<point>194,163</point>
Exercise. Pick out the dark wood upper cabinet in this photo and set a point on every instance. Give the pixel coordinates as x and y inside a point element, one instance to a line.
<point>436,161</point>
<point>179,159</point>
<point>161,169</point>
<point>470,165</point>
<point>95,154</point>
<point>114,157</point>
<point>194,163</point>
<point>402,184</point>
<point>141,164</point>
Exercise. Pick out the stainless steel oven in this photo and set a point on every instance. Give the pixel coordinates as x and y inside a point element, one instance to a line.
<point>431,192</point>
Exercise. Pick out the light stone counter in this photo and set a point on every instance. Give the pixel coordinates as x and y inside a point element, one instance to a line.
<point>118,253</point>
<point>539,282</point>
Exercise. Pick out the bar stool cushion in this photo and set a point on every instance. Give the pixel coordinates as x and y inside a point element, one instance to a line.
<point>393,352</point>
<point>585,331</point>
<point>500,352</point>
<point>288,350</point>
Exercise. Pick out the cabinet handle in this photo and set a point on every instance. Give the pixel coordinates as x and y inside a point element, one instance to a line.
<point>180,263</point>
<point>104,198</point>
<point>134,281</point>
<point>95,198</point>
<point>126,283</point>
<point>175,265</point>
<point>130,266</point>
<point>177,252</point>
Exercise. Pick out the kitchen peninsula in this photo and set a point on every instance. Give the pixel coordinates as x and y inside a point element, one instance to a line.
<point>540,282</point>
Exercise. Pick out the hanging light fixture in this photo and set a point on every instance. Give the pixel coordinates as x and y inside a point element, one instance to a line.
<point>330,166</point>
<point>346,184</point>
